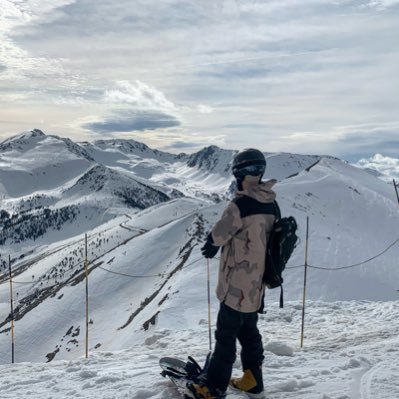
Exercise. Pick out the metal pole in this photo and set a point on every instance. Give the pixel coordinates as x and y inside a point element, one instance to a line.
<point>12,314</point>
<point>304,281</point>
<point>396,189</point>
<point>209,305</point>
<point>87,300</point>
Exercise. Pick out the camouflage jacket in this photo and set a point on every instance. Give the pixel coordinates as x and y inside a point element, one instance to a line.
<point>242,232</point>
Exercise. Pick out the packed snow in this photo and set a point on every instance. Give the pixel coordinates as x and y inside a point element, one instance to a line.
<point>350,352</point>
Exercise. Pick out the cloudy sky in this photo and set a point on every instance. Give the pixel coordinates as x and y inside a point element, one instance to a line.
<point>305,76</point>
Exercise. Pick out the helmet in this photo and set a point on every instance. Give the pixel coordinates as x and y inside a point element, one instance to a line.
<point>249,162</point>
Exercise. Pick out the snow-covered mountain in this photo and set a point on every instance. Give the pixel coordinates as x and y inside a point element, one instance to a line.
<point>33,161</point>
<point>107,178</point>
<point>146,214</point>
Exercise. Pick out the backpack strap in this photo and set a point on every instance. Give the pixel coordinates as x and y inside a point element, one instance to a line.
<point>277,210</point>
<point>278,217</point>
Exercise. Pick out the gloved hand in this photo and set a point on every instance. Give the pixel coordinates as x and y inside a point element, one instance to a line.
<point>209,250</point>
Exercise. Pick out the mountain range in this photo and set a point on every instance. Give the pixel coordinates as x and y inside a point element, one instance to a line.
<point>146,213</point>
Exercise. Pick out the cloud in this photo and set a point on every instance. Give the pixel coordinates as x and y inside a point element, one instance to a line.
<point>139,95</point>
<point>383,4</point>
<point>74,101</point>
<point>204,109</point>
<point>183,144</point>
<point>386,165</point>
<point>20,64</point>
<point>129,121</point>
<point>140,107</point>
<point>282,74</point>
<point>245,126</point>
<point>350,142</point>
<point>354,142</point>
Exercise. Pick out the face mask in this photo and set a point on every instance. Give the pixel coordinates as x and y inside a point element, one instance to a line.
<point>252,180</point>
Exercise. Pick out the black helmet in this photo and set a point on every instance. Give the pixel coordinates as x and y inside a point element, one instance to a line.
<point>249,162</point>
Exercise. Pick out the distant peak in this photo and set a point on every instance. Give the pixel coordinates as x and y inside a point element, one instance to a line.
<point>36,133</point>
<point>210,149</point>
<point>131,146</point>
<point>126,145</point>
<point>21,138</point>
<point>205,153</point>
<point>210,157</point>
<point>28,134</point>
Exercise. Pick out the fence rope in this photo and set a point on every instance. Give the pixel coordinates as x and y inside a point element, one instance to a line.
<point>357,264</point>
<point>117,273</point>
<point>200,258</point>
<point>148,275</point>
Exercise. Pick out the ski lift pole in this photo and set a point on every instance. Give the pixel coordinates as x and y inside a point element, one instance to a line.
<point>12,314</point>
<point>87,300</point>
<point>304,281</point>
<point>396,189</point>
<point>209,304</point>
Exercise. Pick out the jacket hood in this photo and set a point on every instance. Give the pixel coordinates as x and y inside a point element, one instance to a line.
<point>262,192</point>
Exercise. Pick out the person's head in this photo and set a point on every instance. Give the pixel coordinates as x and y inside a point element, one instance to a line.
<point>248,165</point>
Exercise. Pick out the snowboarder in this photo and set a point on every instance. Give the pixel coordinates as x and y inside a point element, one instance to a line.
<point>242,233</point>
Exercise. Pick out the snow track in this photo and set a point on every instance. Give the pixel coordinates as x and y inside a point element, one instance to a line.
<point>381,381</point>
<point>366,382</point>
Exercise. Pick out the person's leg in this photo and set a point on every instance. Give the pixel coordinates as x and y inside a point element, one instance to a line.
<point>251,341</point>
<point>251,355</point>
<point>221,363</point>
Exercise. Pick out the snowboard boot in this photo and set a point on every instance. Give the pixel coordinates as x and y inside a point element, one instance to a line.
<point>202,391</point>
<point>251,383</point>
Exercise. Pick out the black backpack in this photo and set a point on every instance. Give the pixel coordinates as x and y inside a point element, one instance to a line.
<point>280,246</point>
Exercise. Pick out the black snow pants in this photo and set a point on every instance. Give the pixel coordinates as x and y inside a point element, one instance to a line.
<point>232,325</point>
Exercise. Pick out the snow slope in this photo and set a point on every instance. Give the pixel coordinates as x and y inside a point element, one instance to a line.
<point>205,174</point>
<point>147,278</point>
<point>33,162</point>
<point>52,189</point>
<point>154,261</point>
<point>353,216</point>
<point>45,177</point>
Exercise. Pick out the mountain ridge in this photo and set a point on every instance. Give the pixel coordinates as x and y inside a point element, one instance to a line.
<point>145,264</point>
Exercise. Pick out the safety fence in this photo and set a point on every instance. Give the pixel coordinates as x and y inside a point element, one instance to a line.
<point>86,265</point>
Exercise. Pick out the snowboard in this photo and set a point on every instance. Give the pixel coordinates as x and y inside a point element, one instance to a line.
<point>180,372</point>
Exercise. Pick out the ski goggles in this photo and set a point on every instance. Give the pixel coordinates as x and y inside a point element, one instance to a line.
<point>250,170</point>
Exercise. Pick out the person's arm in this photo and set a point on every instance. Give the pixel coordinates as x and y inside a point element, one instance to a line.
<point>223,231</point>
<point>228,225</point>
